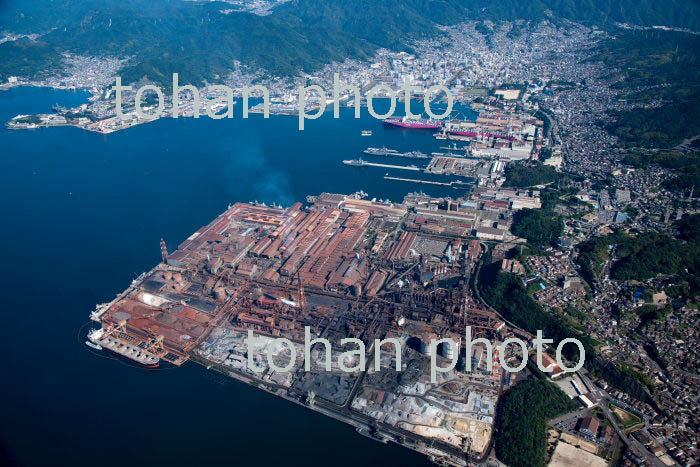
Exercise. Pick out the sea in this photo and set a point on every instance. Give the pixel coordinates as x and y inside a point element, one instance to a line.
<point>82,216</point>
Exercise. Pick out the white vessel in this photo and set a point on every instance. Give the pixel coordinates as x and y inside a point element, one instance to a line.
<point>137,354</point>
<point>93,345</point>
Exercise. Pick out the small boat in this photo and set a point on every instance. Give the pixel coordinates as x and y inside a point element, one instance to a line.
<point>93,345</point>
<point>366,132</point>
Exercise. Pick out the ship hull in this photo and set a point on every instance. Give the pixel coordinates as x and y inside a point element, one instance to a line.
<point>412,125</point>
<point>123,350</point>
<point>130,361</point>
<point>474,134</point>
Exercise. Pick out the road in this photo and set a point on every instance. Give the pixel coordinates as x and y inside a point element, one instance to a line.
<point>599,395</point>
<point>603,399</point>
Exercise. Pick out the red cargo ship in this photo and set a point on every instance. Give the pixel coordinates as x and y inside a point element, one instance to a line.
<point>416,123</point>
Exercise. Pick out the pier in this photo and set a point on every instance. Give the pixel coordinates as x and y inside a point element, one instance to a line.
<point>363,163</point>
<point>429,182</point>
<point>388,166</point>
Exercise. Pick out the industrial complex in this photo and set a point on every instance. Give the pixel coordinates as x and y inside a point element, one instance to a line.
<point>345,267</point>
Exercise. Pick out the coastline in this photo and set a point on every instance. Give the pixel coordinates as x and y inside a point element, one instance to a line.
<point>447,455</point>
<point>113,123</point>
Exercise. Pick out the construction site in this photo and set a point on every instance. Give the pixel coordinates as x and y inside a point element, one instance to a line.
<point>346,267</point>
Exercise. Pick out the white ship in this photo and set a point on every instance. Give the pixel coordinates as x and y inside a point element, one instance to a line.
<point>132,352</point>
<point>92,335</point>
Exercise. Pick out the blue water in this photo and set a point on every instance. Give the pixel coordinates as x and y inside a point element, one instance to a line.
<point>83,214</point>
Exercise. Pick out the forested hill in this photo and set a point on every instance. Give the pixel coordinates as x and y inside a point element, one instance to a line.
<point>199,41</point>
<point>364,17</point>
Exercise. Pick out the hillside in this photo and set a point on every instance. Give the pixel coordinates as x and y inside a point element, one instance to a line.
<point>200,42</point>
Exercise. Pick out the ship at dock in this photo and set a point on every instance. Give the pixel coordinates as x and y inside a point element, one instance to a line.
<point>100,339</point>
<point>454,147</point>
<point>415,155</point>
<point>414,123</point>
<point>355,162</point>
<point>475,131</point>
<point>392,152</point>
<point>480,134</point>
<point>383,151</point>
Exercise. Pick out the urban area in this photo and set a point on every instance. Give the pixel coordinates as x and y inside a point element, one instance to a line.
<point>551,230</point>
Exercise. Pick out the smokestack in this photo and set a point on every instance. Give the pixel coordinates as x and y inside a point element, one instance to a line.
<point>164,251</point>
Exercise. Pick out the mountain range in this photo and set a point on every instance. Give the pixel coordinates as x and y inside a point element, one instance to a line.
<point>201,40</point>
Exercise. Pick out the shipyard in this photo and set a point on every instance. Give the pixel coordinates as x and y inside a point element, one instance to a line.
<point>496,138</point>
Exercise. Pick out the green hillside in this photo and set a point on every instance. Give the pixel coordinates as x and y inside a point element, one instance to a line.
<point>200,42</point>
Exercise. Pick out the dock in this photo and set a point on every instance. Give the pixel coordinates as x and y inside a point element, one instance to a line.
<point>363,163</point>
<point>429,182</point>
<point>388,166</point>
